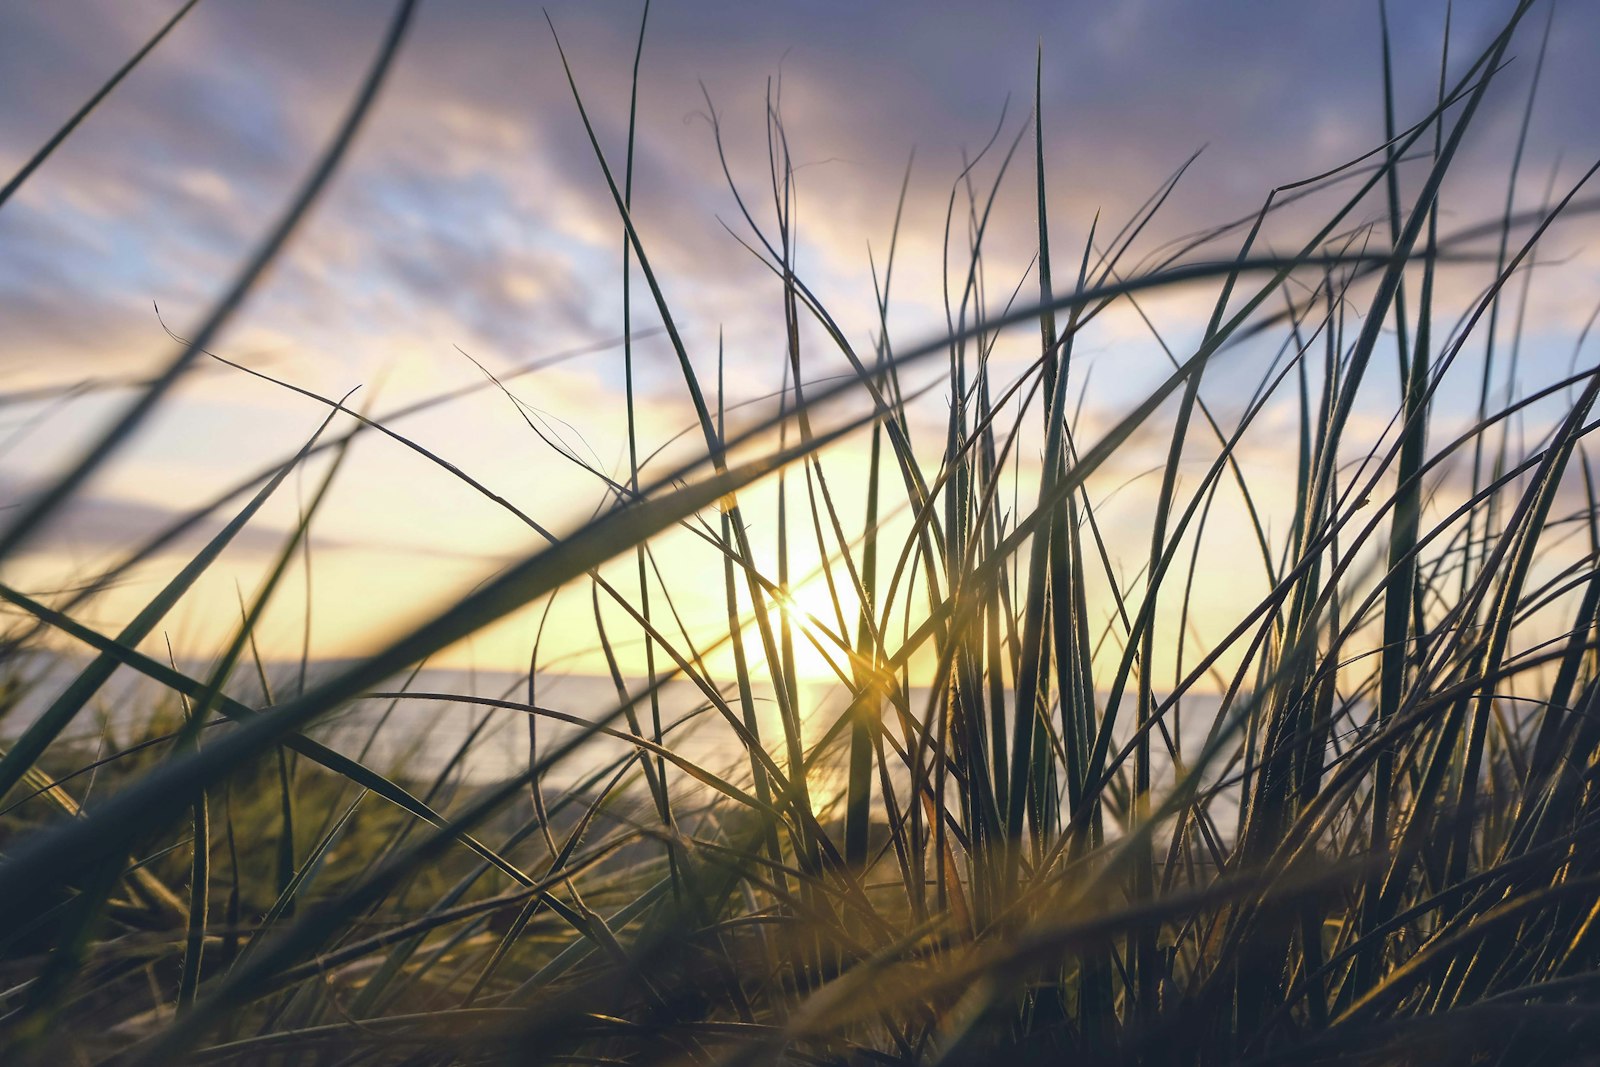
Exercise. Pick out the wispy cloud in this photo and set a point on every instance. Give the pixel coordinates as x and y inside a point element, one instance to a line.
<point>472,214</point>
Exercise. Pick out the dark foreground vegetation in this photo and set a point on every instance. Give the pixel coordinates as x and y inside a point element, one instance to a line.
<point>1013,842</point>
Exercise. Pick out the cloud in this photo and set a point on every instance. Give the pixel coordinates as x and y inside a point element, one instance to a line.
<point>97,526</point>
<point>473,214</point>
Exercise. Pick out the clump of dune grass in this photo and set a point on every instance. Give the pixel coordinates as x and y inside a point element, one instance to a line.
<point>1048,821</point>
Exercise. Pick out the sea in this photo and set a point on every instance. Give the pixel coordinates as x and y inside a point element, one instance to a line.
<point>437,722</point>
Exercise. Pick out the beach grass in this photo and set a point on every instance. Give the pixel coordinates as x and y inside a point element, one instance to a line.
<point>1065,810</point>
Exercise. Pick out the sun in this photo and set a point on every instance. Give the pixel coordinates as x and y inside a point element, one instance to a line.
<point>813,616</point>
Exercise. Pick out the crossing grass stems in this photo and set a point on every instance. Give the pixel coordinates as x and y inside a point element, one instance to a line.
<point>1066,808</point>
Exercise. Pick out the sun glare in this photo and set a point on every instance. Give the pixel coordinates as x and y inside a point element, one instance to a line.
<point>814,611</point>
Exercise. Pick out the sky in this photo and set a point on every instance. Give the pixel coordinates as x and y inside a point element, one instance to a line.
<point>470,230</point>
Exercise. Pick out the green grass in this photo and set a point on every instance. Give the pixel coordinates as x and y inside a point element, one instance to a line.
<point>1068,811</point>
